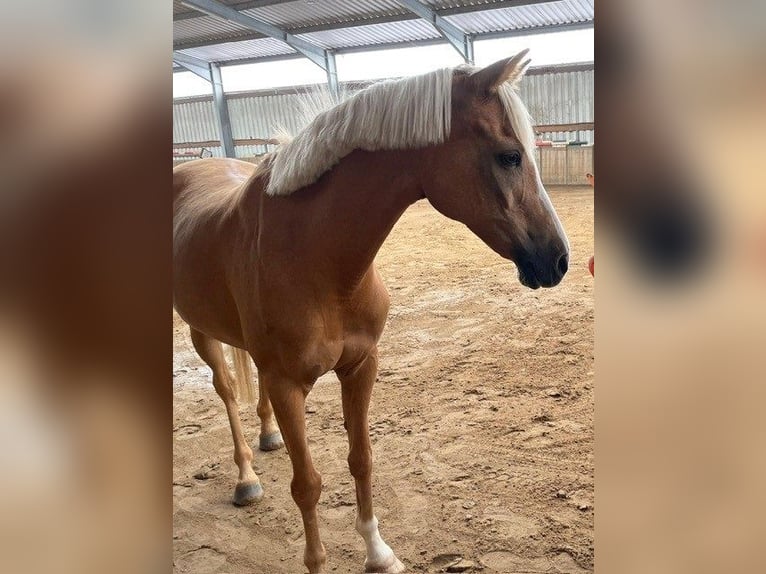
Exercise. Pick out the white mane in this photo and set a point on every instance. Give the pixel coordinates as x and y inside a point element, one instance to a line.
<point>395,114</point>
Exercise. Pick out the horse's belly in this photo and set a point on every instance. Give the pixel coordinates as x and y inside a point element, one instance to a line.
<point>213,325</point>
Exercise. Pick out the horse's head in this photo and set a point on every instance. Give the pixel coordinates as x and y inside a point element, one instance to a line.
<point>485,174</point>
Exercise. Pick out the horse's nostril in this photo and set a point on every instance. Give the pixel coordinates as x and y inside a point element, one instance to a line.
<point>563,264</point>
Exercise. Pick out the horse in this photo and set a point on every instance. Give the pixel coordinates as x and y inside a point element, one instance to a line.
<point>276,261</point>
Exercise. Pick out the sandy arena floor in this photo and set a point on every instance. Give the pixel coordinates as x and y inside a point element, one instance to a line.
<point>481,424</point>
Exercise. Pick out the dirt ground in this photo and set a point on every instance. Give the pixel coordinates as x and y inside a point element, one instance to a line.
<point>481,424</point>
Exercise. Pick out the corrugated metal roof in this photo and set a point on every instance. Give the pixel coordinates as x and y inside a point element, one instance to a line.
<point>406,31</point>
<point>206,28</point>
<point>297,15</point>
<point>262,48</point>
<point>475,5</point>
<point>179,8</point>
<point>339,24</point>
<point>533,16</point>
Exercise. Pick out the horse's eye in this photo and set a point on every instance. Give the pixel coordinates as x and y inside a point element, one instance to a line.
<point>509,159</point>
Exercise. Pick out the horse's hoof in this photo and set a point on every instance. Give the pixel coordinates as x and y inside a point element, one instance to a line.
<point>271,441</point>
<point>392,566</point>
<point>247,493</point>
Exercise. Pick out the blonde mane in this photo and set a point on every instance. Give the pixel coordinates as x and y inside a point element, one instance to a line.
<point>394,114</point>
<point>521,121</point>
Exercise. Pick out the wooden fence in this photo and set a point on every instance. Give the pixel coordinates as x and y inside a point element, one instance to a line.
<point>565,165</point>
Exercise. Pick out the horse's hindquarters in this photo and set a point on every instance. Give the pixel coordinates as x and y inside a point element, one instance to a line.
<point>205,193</point>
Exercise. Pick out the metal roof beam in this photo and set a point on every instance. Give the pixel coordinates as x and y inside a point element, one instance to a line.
<point>213,8</point>
<point>498,4</point>
<point>212,73</point>
<point>194,65</point>
<point>321,57</point>
<point>255,60</point>
<point>461,41</point>
<point>332,73</point>
<point>222,112</point>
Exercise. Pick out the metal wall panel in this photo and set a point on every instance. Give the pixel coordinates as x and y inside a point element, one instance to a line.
<point>194,121</point>
<point>260,116</point>
<point>552,98</point>
<point>560,98</point>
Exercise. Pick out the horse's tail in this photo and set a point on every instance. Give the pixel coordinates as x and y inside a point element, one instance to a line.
<point>244,385</point>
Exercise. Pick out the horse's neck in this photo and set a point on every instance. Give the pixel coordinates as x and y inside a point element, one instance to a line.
<point>352,209</point>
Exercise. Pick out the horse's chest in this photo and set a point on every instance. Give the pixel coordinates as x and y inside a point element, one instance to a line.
<point>312,331</point>
<point>321,340</point>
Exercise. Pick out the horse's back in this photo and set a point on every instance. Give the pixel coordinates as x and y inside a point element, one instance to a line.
<point>212,177</point>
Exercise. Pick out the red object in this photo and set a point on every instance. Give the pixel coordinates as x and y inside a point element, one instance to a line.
<point>591,266</point>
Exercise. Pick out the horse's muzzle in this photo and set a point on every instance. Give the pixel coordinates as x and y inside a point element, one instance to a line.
<point>535,271</point>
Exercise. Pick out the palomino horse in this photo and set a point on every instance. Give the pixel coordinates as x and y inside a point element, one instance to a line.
<point>277,261</point>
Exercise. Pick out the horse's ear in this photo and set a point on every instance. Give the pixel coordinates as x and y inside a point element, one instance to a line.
<point>487,80</point>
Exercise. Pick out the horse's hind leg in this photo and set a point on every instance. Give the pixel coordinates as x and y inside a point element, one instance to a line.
<point>270,438</point>
<point>248,489</point>
<point>356,387</point>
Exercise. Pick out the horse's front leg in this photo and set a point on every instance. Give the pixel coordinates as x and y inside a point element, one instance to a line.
<point>288,398</point>
<point>356,385</point>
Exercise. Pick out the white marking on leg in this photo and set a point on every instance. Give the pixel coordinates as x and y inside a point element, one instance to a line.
<point>378,552</point>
